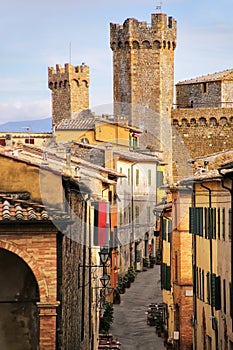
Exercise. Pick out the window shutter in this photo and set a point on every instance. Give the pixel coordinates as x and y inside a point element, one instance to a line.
<point>213,294</point>
<point>218,293</point>
<point>168,275</point>
<point>230,225</point>
<point>191,220</point>
<point>164,229</point>
<point>214,223</point>
<point>169,230</point>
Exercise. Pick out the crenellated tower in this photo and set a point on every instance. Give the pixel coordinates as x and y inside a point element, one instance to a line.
<point>70,90</point>
<point>143,70</point>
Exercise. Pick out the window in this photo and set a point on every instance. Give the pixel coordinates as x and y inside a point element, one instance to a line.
<point>204,87</point>
<point>196,221</point>
<point>230,225</point>
<point>149,177</point>
<point>137,214</point>
<point>137,177</point>
<point>148,215</point>
<point>169,230</point>
<point>224,297</point>
<point>219,223</point>
<point>29,140</point>
<point>121,177</point>
<point>223,224</point>
<point>129,176</point>
<point>159,179</point>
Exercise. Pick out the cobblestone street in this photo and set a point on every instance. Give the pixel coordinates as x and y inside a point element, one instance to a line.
<point>130,321</point>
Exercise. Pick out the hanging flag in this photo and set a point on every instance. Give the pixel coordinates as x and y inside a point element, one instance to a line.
<point>101,224</point>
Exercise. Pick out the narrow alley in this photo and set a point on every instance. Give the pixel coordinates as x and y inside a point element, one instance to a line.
<point>130,321</point>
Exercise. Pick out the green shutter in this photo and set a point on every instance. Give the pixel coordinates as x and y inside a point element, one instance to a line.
<point>214,223</point>
<point>164,229</point>
<point>191,219</point>
<point>169,230</point>
<point>168,276</point>
<point>213,294</point>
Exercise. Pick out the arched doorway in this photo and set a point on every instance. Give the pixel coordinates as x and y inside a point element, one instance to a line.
<point>19,292</point>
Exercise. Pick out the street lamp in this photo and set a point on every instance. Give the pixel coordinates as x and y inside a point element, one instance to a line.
<point>105,280</point>
<point>104,255</point>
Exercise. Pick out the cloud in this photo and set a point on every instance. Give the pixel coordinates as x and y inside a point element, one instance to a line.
<point>19,110</point>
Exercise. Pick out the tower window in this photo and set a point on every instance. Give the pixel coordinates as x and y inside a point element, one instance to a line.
<point>204,87</point>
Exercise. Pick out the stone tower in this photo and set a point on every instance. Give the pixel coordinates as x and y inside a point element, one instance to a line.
<point>143,65</point>
<point>70,90</point>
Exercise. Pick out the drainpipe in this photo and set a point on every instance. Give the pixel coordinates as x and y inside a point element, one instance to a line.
<point>211,266</point>
<point>231,192</point>
<point>194,281</point>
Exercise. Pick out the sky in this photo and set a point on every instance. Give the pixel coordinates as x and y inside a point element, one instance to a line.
<point>41,33</point>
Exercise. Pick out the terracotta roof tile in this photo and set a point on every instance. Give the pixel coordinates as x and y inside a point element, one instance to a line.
<point>12,209</point>
<point>207,78</point>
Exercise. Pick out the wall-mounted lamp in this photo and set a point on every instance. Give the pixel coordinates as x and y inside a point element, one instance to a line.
<point>105,280</point>
<point>104,255</point>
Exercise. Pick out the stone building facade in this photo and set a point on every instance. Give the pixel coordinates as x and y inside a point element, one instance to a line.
<point>207,91</point>
<point>70,90</point>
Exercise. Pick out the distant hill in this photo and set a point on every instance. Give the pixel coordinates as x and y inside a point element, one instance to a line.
<point>40,125</point>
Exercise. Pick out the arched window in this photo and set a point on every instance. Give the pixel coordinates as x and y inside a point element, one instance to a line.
<point>120,45</point>
<point>127,45</point>
<point>223,121</point>
<point>193,121</point>
<point>156,45</point>
<point>202,121</point>
<point>213,121</point>
<point>146,44</point>
<point>135,44</point>
<point>175,122</point>
<point>184,121</point>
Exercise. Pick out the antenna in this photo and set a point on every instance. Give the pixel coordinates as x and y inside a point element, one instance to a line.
<point>70,52</point>
<point>159,7</point>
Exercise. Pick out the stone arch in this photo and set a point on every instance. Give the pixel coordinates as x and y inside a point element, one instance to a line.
<point>213,121</point>
<point>164,44</point>
<point>175,122</point>
<point>202,121</point>
<point>184,121</point>
<point>127,45</point>
<point>156,45</point>
<point>32,263</point>
<point>50,85</point>
<point>193,121</point>
<point>120,45</point>
<point>60,84</point>
<point>136,44</point>
<point>113,45</point>
<point>85,83</point>
<point>168,45</point>
<point>75,82</point>
<point>223,121</point>
<point>55,85</point>
<point>173,45</point>
<point>231,120</point>
<point>146,44</point>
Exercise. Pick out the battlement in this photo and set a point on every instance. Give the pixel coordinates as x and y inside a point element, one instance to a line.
<point>68,73</point>
<point>162,28</point>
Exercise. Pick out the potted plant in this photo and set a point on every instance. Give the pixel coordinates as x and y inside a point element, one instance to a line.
<point>116,296</point>
<point>126,281</point>
<point>152,261</point>
<point>145,263</point>
<point>131,274</point>
<point>121,285</point>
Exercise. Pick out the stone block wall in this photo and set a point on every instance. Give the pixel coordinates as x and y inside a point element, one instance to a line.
<point>70,90</point>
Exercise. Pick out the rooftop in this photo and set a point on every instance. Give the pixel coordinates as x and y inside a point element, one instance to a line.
<point>217,76</point>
